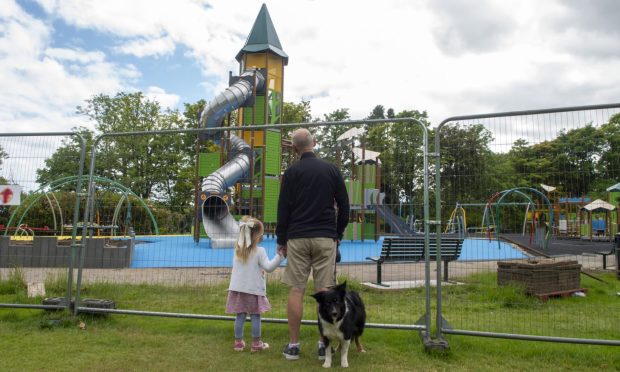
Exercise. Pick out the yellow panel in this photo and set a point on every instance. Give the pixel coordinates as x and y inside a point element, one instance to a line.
<point>259,137</point>
<point>255,60</point>
<point>275,65</point>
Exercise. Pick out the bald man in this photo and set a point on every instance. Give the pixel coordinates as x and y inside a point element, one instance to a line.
<point>309,229</point>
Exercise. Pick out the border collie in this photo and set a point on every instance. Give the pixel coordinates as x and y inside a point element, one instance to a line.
<point>342,317</point>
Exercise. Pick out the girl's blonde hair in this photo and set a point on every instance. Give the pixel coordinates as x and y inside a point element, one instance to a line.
<point>250,233</point>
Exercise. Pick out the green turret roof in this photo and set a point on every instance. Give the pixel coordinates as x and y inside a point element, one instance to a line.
<point>263,37</point>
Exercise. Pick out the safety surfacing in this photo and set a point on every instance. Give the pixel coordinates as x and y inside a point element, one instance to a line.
<point>182,251</point>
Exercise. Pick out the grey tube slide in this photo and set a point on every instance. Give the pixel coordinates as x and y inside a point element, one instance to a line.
<point>219,224</point>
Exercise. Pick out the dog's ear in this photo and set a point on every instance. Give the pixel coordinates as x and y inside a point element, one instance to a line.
<point>318,296</point>
<point>341,287</point>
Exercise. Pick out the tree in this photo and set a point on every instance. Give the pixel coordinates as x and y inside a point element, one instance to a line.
<point>143,161</point>
<point>330,148</point>
<point>3,155</point>
<point>465,157</point>
<point>154,166</point>
<point>65,161</point>
<point>296,112</point>
<point>609,164</point>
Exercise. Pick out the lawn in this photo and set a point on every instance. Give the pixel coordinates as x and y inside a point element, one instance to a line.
<point>37,340</point>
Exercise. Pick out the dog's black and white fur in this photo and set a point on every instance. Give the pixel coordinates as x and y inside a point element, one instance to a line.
<point>342,318</point>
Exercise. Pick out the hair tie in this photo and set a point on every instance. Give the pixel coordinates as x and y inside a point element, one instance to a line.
<point>245,234</point>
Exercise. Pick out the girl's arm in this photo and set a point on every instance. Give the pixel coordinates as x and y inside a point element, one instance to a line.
<point>265,263</point>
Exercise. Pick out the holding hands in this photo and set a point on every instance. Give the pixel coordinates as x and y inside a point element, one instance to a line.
<point>282,250</point>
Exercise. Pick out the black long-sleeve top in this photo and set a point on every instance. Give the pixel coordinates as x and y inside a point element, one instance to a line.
<point>306,207</point>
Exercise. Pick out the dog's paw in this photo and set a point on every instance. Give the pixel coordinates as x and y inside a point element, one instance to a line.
<point>327,365</point>
<point>344,364</point>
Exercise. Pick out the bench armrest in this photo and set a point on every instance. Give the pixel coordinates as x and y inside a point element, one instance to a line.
<point>374,259</point>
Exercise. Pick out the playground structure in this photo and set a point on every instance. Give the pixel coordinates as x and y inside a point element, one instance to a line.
<point>113,226</point>
<point>543,216</point>
<point>242,176</point>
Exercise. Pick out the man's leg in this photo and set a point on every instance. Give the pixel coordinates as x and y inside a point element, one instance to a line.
<point>295,313</point>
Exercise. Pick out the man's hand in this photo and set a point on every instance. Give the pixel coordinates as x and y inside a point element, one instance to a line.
<point>282,250</point>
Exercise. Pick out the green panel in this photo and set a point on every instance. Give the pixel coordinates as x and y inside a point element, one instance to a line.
<point>272,192</point>
<point>369,231</point>
<point>247,116</point>
<point>275,103</point>
<point>370,175</point>
<point>256,193</point>
<point>208,163</point>
<point>259,107</point>
<point>259,112</point>
<point>355,192</point>
<point>348,232</point>
<point>272,153</point>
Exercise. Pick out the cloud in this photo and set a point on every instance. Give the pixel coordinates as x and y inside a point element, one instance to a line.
<point>470,27</point>
<point>166,100</point>
<point>588,30</point>
<point>47,83</point>
<point>446,57</point>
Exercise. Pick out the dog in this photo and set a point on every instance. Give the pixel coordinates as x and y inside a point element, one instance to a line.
<point>342,317</point>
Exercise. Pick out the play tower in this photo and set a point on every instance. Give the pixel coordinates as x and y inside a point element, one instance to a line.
<point>242,176</point>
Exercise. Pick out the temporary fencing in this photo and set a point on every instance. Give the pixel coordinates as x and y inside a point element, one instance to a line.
<point>40,217</point>
<point>535,194</point>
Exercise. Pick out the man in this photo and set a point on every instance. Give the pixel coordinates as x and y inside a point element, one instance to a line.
<point>309,229</point>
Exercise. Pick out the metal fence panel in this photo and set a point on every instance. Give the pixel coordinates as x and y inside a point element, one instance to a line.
<point>149,213</point>
<point>39,218</point>
<point>534,195</point>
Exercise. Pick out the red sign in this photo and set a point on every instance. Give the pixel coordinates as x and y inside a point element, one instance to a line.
<point>10,195</point>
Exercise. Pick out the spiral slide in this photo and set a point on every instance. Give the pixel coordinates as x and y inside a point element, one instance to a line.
<point>219,224</point>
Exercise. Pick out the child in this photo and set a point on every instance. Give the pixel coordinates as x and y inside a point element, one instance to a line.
<point>246,293</point>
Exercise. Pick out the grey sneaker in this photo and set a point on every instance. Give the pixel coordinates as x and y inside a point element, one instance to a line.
<point>291,352</point>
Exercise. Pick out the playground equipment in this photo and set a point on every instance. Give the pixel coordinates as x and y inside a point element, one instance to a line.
<point>19,214</point>
<point>497,200</point>
<point>254,162</point>
<point>457,221</point>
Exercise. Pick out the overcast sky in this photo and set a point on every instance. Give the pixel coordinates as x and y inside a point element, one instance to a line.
<point>446,57</point>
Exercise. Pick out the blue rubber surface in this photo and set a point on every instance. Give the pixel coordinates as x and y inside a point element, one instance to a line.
<point>181,251</point>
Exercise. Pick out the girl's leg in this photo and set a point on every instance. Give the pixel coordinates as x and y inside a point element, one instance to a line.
<point>256,326</point>
<point>239,321</point>
<point>257,343</point>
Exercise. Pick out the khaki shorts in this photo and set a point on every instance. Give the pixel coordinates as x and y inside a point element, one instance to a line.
<point>306,253</point>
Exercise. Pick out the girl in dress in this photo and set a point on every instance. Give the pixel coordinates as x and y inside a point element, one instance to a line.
<point>246,293</point>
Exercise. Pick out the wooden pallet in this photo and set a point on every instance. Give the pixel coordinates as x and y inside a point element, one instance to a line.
<point>544,297</point>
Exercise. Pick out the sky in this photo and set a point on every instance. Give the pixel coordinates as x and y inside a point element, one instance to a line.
<point>445,57</point>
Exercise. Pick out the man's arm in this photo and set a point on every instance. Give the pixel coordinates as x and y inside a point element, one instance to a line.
<point>283,212</point>
<point>342,201</point>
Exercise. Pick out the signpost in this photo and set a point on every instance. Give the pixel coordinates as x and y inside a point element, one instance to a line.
<point>10,195</point>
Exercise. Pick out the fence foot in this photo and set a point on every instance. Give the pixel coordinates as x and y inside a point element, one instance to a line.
<point>431,344</point>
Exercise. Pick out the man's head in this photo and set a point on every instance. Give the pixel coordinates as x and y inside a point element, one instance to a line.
<point>303,140</point>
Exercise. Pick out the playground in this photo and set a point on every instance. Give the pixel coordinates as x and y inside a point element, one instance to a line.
<point>473,202</point>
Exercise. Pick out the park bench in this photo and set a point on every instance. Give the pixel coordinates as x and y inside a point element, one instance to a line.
<point>411,249</point>
<point>606,253</point>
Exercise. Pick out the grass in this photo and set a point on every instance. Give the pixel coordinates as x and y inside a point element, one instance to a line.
<point>37,340</point>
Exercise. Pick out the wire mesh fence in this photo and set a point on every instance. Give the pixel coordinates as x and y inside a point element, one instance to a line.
<point>170,202</point>
<point>534,196</point>
<point>39,217</point>
<point>518,218</point>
